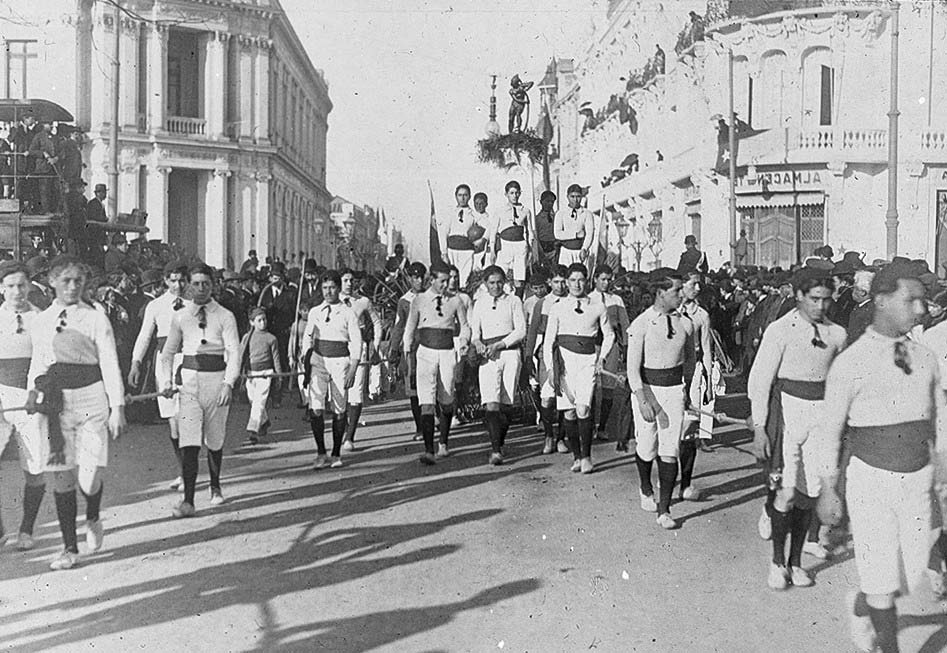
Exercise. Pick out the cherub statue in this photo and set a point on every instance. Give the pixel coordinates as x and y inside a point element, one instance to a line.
<point>520,100</point>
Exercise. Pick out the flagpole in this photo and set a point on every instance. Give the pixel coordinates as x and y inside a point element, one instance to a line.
<point>732,137</point>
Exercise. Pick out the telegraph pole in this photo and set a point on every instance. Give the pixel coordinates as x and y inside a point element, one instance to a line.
<point>891,215</point>
<point>113,132</point>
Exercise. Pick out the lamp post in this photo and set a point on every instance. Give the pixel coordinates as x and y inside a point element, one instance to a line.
<point>621,226</point>
<point>639,242</point>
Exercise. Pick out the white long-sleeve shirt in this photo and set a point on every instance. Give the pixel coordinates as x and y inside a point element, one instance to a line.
<point>86,339</point>
<point>156,322</point>
<point>494,317</point>
<point>574,223</point>
<point>336,323</point>
<point>565,320</point>
<point>218,337</point>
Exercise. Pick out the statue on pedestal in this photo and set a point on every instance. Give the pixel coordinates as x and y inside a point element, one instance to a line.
<point>520,101</point>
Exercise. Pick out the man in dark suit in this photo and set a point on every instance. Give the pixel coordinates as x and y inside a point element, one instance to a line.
<point>41,295</point>
<point>278,299</point>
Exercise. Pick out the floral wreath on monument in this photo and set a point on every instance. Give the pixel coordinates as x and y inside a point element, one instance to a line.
<point>507,150</point>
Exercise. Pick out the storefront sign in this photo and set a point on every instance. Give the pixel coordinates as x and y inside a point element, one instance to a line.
<point>781,181</point>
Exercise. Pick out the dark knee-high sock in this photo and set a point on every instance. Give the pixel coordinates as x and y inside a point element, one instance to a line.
<point>570,428</point>
<point>338,430</point>
<point>688,457</point>
<point>547,415</point>
<point>215,461</point>
<point>416,412</point>
<point>353,414</point>
<point>66,513</point>
<point>814,526</point>
<point>189,465</point>
<point>504,424</point>
<point>318,425</point>
<point>782,525</point>
<point>560,424</point>
<point>667,475</point>
<point>585,425</point>
<point>447,414</point>
<point>175,444</point>
<point>768,505</point>
<point>427,431</point>
<point>606,409</point>
<point>644,473</point>
<point>93,503</point>
<point>801,519</point>
<point>885,622</point>
<point>491,419</point>
<point>32,499</point>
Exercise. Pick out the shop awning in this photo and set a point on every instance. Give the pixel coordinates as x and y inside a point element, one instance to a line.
<point>779,199</point>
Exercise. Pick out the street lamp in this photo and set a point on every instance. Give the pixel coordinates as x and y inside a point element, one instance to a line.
<point>621,226</point>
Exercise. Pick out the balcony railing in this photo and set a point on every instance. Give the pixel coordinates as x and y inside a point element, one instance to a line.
<point>934,141</point>
<point>186,126</point>
<point>827,138</point>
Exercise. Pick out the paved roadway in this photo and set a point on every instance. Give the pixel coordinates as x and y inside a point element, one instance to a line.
<point>387,555</point>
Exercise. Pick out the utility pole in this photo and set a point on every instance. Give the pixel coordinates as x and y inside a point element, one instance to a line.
<point>891,215</point>
<point>113,132</point>
<point>24,56</point>
<point>732,138</point>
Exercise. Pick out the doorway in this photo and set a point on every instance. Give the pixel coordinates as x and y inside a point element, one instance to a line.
<point>184,209</point>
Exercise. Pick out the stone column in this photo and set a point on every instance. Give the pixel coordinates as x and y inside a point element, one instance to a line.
<point>215,84</point>
<point>157,77</point>
<point>261,94</point>
<point>244,85</point>
<point>127,180</point>
<point>128,53</point>
<point>215,222</point>
<point>262,222</point>
<point>157,201</point>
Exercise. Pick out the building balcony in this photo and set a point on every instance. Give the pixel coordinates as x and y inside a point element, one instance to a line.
<point>815,145</point>
<point>862,141</point>
<point>933,144</point>
<point>184,126</point>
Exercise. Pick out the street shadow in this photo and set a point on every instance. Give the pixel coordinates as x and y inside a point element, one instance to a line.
<point>378,629</point>
<point>937,642</point>
<point>312,561</point>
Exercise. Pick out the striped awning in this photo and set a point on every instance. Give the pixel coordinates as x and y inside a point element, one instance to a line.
<point>779,199</point>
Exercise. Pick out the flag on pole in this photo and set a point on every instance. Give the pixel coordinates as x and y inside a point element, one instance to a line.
<point>434,243</point>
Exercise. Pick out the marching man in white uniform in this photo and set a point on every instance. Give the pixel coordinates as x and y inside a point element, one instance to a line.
<point>371,328</point>
<point>75,381</point>
<point>570,349</point>
<point>574,228</point>
<point>883,395</point>
<point>157,323</point>
<point>333,345</point>
<point>458,226</point>
<point>497,327</point>
<point>510,236</point>
<point>206,334</point>
<point>430,333</point>
<point>16,349</point>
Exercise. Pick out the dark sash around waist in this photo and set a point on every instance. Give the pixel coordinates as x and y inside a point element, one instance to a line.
<point>13,372</point>
<point>459,242</point>
<point>808,390</point>
<point>576,344</point>
<point>495,339</point>
<point>573,243</point>
<point>901,448</point>
<point>666,377</point>
<point>433,338</point>
<point>204,363</point>
<point>70,376</point>
<point>331,348</point>
<point>513,233</point>
<point>59,377</point>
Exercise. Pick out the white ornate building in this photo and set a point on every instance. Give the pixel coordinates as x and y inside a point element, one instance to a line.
<point>813,85</point>
<point>223,122</point>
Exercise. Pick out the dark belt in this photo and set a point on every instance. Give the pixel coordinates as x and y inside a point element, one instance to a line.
<point>433,338</point>
<point>513,233</point>
<point>13,372</point>
<point>331,348</point>
<point>576,344</point>
<point>495,339</point>
<point>204,363</point>
<point>460,242</point>
<point>901,448</point>
<point>161,341</point>
<point>573,243</point>
<point>666,377</point>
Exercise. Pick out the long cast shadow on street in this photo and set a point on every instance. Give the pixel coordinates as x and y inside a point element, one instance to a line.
<point>311,562</point>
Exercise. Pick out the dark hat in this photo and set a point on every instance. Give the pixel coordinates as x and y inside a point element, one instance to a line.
<point>230,275</point>
<point>151,277</point>
<point>37,266</point>
<point>538,278</point>
<point>174,266</point>
<point>309,265</point>
<point>854,258</point>
<point>101,187</point>
<point>416,269</point>
<point>130,268</point>
<point>781,278</point>
<point>278,268</point>
<point>818,263</point>
<point>806,274</point>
